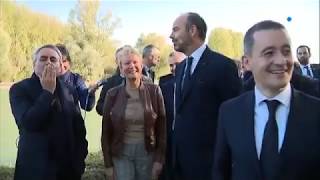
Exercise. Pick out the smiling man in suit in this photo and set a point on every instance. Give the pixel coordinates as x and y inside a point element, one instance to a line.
<point>203,81</point>
<point>271,132</point>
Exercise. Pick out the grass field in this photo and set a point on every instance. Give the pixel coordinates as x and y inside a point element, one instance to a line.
<point>9,131</point>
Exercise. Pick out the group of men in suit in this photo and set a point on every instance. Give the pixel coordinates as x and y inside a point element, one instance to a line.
<point>269,132</point>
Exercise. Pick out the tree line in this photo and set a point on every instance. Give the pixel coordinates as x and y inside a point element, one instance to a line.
<point>88,37</point>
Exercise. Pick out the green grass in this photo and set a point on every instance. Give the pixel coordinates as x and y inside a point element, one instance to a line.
<point>9,131</point>
<point>6,173</point>
<point>94,169</point>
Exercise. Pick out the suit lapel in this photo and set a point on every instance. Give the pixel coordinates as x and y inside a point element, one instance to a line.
<point>36,87</point>
<point>297,70</point>
<point>248,107</point>
<point>293,119</point>
<point>200,65</point>
<point>315,71</point>
<point>66,97</point>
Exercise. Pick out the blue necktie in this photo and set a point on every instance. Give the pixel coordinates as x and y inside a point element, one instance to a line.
<point>308,71</point>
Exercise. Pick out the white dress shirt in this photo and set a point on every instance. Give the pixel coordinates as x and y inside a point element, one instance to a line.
<point>304,70</point>
<point>261,114</point>
<point>196,56</point>
<point>148,71</point>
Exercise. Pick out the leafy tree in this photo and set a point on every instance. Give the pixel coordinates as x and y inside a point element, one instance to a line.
<point>27,30</point>
<point>5,66</point>
<point>89,40</point>
<point>226,42</point>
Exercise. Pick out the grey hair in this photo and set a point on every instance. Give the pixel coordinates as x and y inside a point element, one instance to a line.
<point>50,46</point>
<point>119,50</point>
<point>147,50</point>
<point>128,50</point>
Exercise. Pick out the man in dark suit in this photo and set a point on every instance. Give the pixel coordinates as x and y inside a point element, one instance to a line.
<point>113,81</point>
<point>151,58</point>
<point>203,81</point>
<point>305,68</point>
<point>270,133</point>
<point>167,85</point>
<point>52,143</point>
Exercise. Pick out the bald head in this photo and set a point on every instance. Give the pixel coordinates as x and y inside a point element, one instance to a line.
<point>174,59</point>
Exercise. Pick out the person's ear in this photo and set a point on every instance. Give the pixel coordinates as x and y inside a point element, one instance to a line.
<point>247,62</point>
<point>60,68</point>
<point>193,30</point>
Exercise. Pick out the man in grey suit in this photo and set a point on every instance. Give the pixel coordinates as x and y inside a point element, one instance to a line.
<point>271,132</point>
<point>203,81</point>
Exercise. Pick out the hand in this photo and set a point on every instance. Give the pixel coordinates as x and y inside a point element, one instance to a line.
<point>156,170</point>
<point>48,78</point>
<point>92,88</point>
<point>110,175</point>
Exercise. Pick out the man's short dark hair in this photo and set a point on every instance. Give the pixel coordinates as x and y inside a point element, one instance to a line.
<point>147,50</point>
<point>263,25</point>
<point>304,46</point>
<point>64,51</point>
<point>198,21</point>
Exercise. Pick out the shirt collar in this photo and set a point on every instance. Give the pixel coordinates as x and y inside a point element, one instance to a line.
<point>302,66</point>
<point>66,76</point>
<point>283,97</point>
<point>147,68</point>
<point>198,52</point>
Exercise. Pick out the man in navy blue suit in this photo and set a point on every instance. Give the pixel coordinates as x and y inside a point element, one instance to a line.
<point>52,143</point>
<point>167,85</point>
<point>271,132</point>
<point>203,81</point>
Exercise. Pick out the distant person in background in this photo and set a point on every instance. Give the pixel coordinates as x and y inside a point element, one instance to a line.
<point>151,58</point>
<point>83,95</point>
<point>133,124</point>
<point>246,74</point>
<point>174,59</point>
<point>52,144</point>
<point>306,69</point>
<point>113,81</point>
<point>167,85</point>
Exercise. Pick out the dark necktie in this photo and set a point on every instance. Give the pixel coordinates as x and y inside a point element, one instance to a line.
<point>150,74</point>
<point>187,74</point>
<point>269,156</point>
<point>308,71</point>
